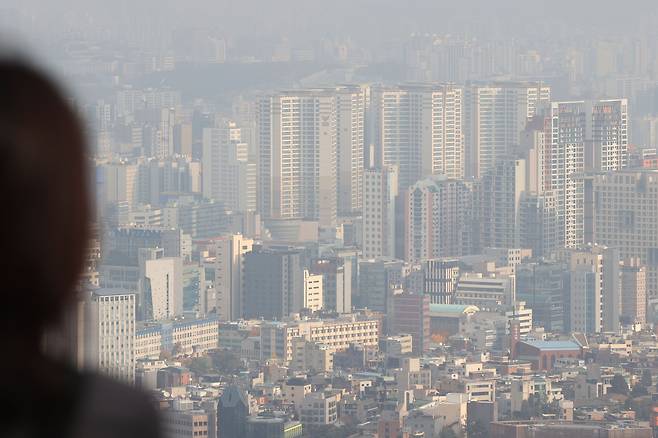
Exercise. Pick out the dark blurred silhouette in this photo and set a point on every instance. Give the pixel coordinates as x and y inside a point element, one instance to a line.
<point>44,230</point>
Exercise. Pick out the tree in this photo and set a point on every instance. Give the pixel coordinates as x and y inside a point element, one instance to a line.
<point>619,385</point>
<point>639,390</point>
<point>200,365</point>
<point>476,429</point>
<point>226,362</point>
<point>647,378</point>
<point>447,432</point>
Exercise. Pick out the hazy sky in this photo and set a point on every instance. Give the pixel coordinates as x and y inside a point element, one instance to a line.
<point>366,19</point>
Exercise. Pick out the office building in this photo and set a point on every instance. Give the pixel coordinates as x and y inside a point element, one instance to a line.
<point>633,292</point>
<point>273,283</point>
<point>189,423</point>
<point>541,286</point>
<point>313,291</point>
<point>378,278</point>
<point>485,292</point>
<point>181,336</point>
<point>163,288</point>
<point>277,337</point>
<point>110,333</point>
<point>440,280</point>
<point>336,283</point>
<point>594,289</point>
<point>411,315</point>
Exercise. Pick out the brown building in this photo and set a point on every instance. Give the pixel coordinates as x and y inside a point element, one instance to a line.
<point>543,354</point>
<point>411,315</point>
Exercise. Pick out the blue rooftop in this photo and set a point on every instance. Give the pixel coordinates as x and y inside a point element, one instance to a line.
<point>553,345</point>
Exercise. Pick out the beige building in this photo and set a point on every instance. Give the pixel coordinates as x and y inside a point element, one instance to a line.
<point>337,334</point>
<point>178,337</point>
<point>188,423</point>
<point>313,291</point>
<point>228,265</point>
<point>621,213</point>
<point>380,190</point>
<point>309,355</point>
<point>319,408</point>
<point>633,292</point>
<point>110,333</point>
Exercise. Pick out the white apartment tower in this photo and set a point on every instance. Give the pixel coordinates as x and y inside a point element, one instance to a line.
<point>297,156</point>
<point>110,333</point>
<point>495,116</point>
<point>585,136</point>
<point>229,277</point>
<point>419,129</point>
<point>380,191</point>
<point>350,131</point>
<point>228,174</point>
<point>567,157</point>
<point>608,146</point>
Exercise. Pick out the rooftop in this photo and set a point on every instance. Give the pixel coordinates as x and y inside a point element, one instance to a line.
<point>553,345</point>
<point>456,309</point>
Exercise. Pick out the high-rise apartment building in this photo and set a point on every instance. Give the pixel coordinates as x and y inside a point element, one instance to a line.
<point>297,156</point>
<point>494,117</point>
<point>567,152</point>
<point>538,223</point>
<point>585,135</point>
<point>228,174</point>
<point>608,146</point>
<point>621,213</point>
<point>419,129</point>
<point>380,191</point>
<point>437,219</point>
<point>230,253</point>
<point>110,333</point>
<point>499,196</point>
<point>350,147</point>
